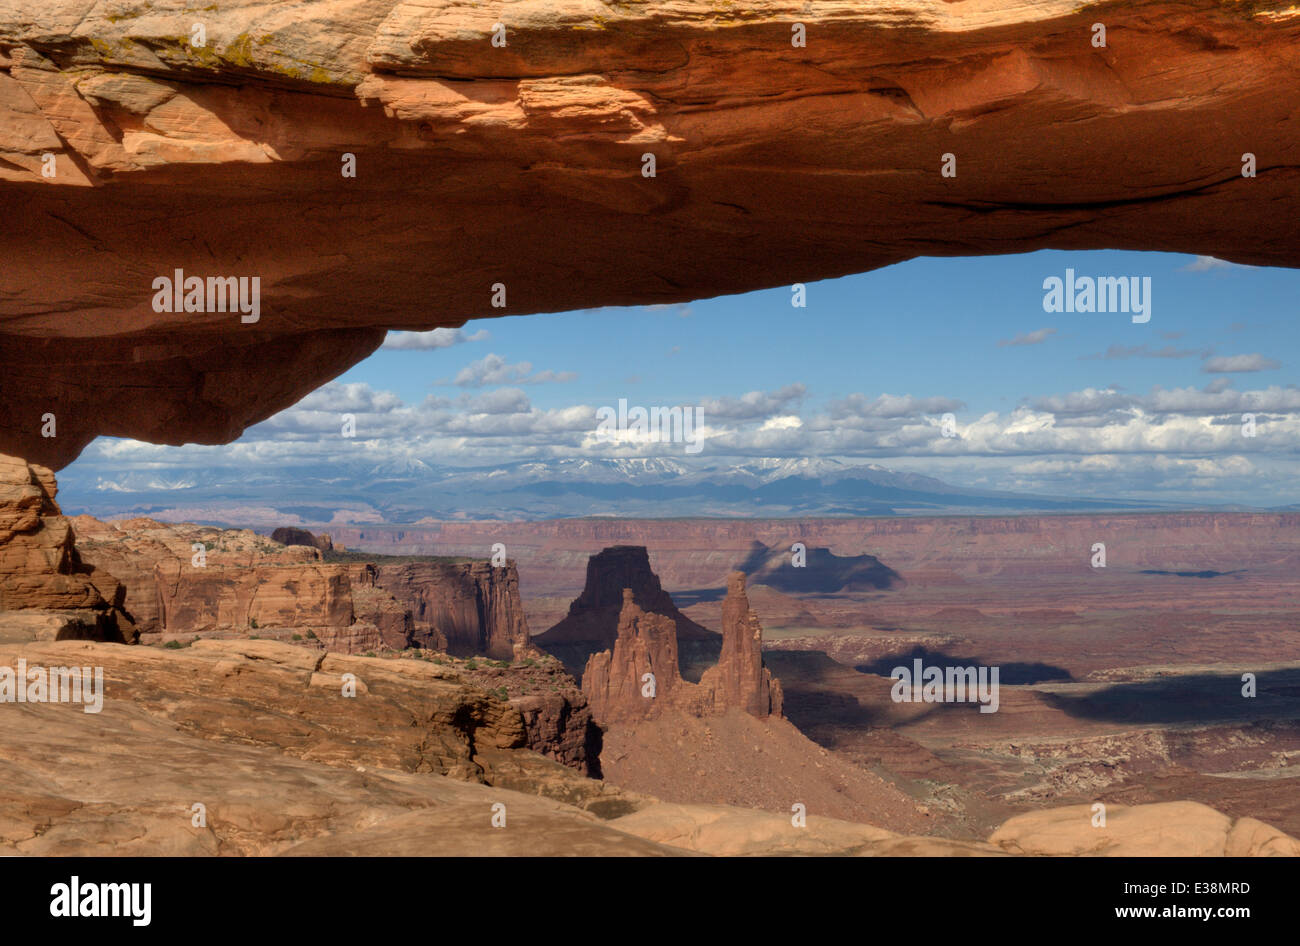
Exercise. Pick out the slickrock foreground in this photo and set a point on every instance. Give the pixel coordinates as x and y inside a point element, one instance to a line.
<point>412,765</point>
<point>779,159</point>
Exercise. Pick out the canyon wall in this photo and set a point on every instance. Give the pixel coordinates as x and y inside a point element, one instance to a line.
<point>46,590</point>
<point>792,142</point>
<point>463,608</point>
<point>298,596</point>
<point>142,575</point>
<point>700,553</point>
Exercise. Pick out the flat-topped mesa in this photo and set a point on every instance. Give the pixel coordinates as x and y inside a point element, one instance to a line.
<point>740,679</point>
<point>639,678</point>
<point>595,616</point>
<point>49,592</point>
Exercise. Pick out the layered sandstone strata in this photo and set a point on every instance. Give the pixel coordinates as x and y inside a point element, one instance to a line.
<point>460,607</point>
<point>414,764</point>
<point>298,596</point>
<point>42,578</point>
<point>391,618</point>
<point>182,581</point>
<point>792,142</point>
<point>133,550</point>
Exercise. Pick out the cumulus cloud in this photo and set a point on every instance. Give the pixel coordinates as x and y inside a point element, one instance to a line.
<point>350,398</point>
<point>436,338</point>
<point>859,406</point>
<point>1119,442</point>
<point>493,369</point>
<point>500,401</point>
<point>755,405</point>
<point>1227,363</point>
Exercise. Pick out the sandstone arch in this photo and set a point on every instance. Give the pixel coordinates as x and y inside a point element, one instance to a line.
<point>521,165</point>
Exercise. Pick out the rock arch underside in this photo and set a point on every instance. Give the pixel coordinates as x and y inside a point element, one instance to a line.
<point>522,165</point>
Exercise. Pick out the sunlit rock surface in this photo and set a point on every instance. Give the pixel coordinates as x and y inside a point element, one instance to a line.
<point>478,165</point>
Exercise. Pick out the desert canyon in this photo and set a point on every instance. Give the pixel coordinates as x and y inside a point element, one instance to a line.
<point>344,688</point>
<point>241,663</point>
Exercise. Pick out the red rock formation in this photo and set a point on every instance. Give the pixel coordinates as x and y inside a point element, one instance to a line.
<point>250,584</point>
<point>776,163</point>
<point>740,679</point>
<point>560,725</point>
<point>131,549</point>
<point>615,680</point>
<point>287,535</point>
<point>595,617</point>
<point>377,607</point>
<point>464,608</point>
<point>700,553</point>
<point>197,599</point>
<point>40,571</point>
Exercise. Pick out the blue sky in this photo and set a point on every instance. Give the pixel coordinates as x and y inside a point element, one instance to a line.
<point>927,326</point>
<point>1067,404</point>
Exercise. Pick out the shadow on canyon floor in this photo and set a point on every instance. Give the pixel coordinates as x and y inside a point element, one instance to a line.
<point>1194,698</point>
<point>1009,674</point>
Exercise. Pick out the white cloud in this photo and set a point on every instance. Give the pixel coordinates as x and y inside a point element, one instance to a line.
<point>1203,264</point>
<point>755,405</point>
<point>493,369</point>
<point>860,407</point>
<point>1105,440</point>
<point>436,338</point>
<point>1226,363</point>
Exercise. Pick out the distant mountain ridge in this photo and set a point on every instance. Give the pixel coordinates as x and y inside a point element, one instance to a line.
<point>408,490</point>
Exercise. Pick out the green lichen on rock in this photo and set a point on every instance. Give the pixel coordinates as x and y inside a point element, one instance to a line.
<point>240,52</point>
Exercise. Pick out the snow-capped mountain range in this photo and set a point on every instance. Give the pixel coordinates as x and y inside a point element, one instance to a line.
<point>409,489</point>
